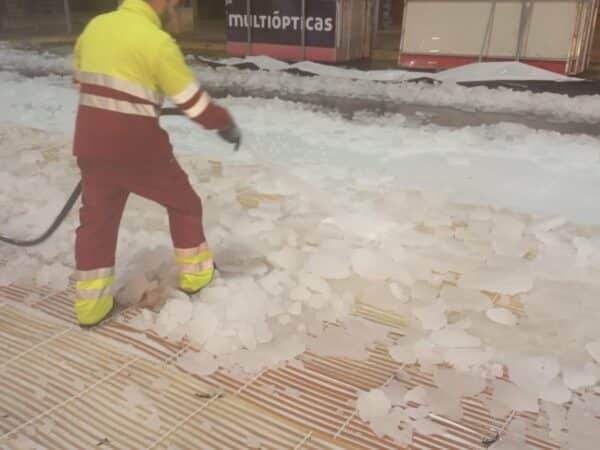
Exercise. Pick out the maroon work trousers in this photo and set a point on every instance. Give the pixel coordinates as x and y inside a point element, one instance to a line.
<point>105,188</point>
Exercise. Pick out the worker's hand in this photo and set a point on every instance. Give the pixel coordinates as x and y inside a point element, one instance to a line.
<point>232,134</point>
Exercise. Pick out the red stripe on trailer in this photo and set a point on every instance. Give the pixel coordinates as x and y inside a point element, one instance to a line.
<point>284,52</point>
<point>420,61</point>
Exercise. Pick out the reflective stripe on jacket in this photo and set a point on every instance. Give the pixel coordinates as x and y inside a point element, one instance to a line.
<point>125,65</point>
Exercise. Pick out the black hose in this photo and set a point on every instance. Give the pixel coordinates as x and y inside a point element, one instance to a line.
<point>59,219</point>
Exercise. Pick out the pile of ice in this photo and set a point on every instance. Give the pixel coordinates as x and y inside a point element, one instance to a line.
<point>330,82</point>
<point>483,71</point>
<point>479,288</point>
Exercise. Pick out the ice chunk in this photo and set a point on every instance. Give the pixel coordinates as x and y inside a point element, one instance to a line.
<point>457,299</point>
<point>458,384</point>
<point>396,392</point>
<point>593,348</point>
<point>372,404</point>
<point>427,427</point>
<point>466,358</point>
<point>314,283</point>
<point>533,374</point>
<point>295,308</point>
<point>584,432</point>
<point>198,363</point>
<point>300,294</point>
<point>502,316</point>
<point>143,321</point>
<point>418,395</point>
<point>513,397</point>
<point>454,338</point>
<point>135,397</point>
<point>556,392</point>
<point>428,353</point>
<point>557,418</point>
<point>445,403</point>
<point>203,325</point>
<point>422,290</point>
<point>432,316</point>
<point>372,265</point>
<point>404,353</point>
<point>336,342</point>
<point>379,294</point>
<point>576,377</point>
<point>329,266</point>
<point>275,282</point>
<point>398,293</point>
<point>388,425</point>
<point>420,412</point>
<point>510,280</point>
<point>173,317</point>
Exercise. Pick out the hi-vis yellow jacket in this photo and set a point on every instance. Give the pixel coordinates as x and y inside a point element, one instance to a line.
<point>125,65</point>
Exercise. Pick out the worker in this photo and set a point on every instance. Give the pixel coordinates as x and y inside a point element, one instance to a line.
<point>124,65</point>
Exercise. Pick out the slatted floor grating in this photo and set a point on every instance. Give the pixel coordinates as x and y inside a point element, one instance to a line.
<point>63,387</point>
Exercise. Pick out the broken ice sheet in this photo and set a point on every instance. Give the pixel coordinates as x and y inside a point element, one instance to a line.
<point>372,265</point>
<point>533,374</point>
<point>330,266</point>
<point>418,395</point>
<point>396,392</point>
<point>454,338</point>
<point>458,384</point>
<point>372,404</point>
<point>143,321</point>
<point>389,424</point>
<point>583,430</point>
<point>502,316</point>
<point>404,353</point>
<point>173,316</point>
<point>446,404</point>
<point>135,397</point>
<point>466,358</point>
<point>198,363</point>
<point>428,427</point>
<point>511,278</point>
<point>457,299</point>
<point>556,392</point>
<point>577,376</point>
<point>346,341</point>
<point>432,317</point>
<point>513,397</point>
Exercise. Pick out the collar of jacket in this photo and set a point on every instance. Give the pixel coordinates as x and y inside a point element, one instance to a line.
<point>142,8</point>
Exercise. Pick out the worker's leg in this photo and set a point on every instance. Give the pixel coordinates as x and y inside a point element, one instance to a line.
<point>168,185</point>
<point>103,202</point>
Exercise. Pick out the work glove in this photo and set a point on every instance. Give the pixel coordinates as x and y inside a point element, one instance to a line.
<point>232,134</point>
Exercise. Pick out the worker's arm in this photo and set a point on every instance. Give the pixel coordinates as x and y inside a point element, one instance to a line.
<point>176,80</point>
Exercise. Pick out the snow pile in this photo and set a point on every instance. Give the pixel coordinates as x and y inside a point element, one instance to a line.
<point>331,82</point>
<point>484,71</point>
<point>33,63</point>
<point>501,71</point>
